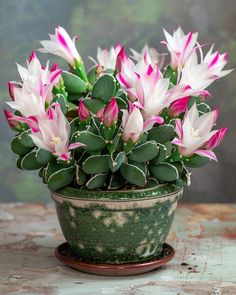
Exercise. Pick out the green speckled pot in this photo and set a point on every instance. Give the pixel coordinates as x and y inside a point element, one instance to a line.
<point>116,226</point>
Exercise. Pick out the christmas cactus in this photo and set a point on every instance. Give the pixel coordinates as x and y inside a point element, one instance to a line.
<point>130,122</point>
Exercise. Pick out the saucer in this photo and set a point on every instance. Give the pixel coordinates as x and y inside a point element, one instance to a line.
<point>64,255</point>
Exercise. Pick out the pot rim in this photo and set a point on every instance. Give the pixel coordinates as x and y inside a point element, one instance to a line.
<point>119,195</point>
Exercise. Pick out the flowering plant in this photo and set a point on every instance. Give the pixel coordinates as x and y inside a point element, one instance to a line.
<point>134,121</point>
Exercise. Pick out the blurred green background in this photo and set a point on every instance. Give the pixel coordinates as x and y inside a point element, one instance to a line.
<point>134,23</point>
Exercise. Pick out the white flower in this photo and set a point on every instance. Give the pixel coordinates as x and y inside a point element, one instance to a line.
<point>62,45</point>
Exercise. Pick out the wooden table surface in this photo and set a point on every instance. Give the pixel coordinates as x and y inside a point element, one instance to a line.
<point>204,236</point>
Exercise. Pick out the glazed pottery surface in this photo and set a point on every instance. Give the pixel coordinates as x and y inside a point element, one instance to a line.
<point>116,226</point>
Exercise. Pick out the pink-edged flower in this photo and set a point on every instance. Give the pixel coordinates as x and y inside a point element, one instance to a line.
<point>54,133</point>
<point>195,135</point>
<point>134,125</point>
<point>28,103</point>
<point>13,123</point>
<point>11,86</point>
<point>34,92</point>
<point>83,112</point>
<point>38,79</point>
<point>216,139</point>
<point>180,47</point>
<point>152,92</point>
<point>152,54</point>
<point>200,75</point>
<point>178,106</point>
<point>216,62</point>
<point>107,57</point>
<point>62,45</point>
<point>110,115</point>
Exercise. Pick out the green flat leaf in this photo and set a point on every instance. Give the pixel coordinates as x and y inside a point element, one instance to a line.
<point>203,107</point>
<point>92,75</point>
<point>116,181</point>
<point>96,181</point>
<point>144,152</point>
<point>26,139</point>
<point>121,93</point>
<point>196,161</point>
<point>133,174</point>
<point>152,182</point>
<point>117,161</point>
<point>62,101</point>
<point>73,83</point>
<point>81,177</point>
<point>74,98</point>
<point>96,164</point>
<point>164,152</point>
<point>18,148</point>
<point>122,103</point>
<point>175,157</point>
<point>61,178</point>
<point>92,141</point>
<point>162,134</point>
<point>165,172</point>
<point>29,161</point>
<point>55,165</point>
<point>104,88</point>
<point>94,104</point>
<point>43,156</point>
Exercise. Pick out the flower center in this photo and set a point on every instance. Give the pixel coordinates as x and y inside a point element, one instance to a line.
<point>55,140</point>
<point>195,133</point>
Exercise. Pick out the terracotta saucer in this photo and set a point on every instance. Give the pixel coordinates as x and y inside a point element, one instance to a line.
<point>63,253</point>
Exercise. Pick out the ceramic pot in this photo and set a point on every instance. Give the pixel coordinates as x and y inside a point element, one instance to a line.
<point>116,226</point>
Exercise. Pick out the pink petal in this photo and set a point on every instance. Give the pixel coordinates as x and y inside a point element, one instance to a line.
<point>178,128</point>
<point>54,67</point>
<point>55,74</point>
<point>62,40</point>
<point>178,142</point>
<point>32,56</point>
<point>83,112</point>
<point>75,145</point>
<point>216,139</point>
<point>206,153</point>
<point>121,78</point>
<point>214,60</point>
<point>148,124</point>
<point>65,157</point>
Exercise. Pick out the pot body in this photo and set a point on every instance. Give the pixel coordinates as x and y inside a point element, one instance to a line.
<point>116,227</point>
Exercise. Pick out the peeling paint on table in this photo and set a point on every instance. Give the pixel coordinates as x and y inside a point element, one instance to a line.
<point>204,236</point>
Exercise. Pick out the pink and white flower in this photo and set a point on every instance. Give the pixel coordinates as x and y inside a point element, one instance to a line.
<point>180,47</point>
<point>62,45</point>
<point>200,75</point>
<point>33,93</point>
<point>152,92</point>
<point>83,112</point>
<point>28,103</point>
<point>54,133</point>
<point>152,54</point>
<point>178,106</point>
<point>11,86</point>
<point>195,135</point>
<point>134,125</point>
<point>13,123</point>
<point>110,115</point>
<point>36,78</point>
<point>107,57</point>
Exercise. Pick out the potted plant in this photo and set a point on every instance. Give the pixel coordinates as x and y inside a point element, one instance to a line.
<point>115,145</point>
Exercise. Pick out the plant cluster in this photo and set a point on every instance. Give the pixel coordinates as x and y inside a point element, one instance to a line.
<point>130,122</point>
